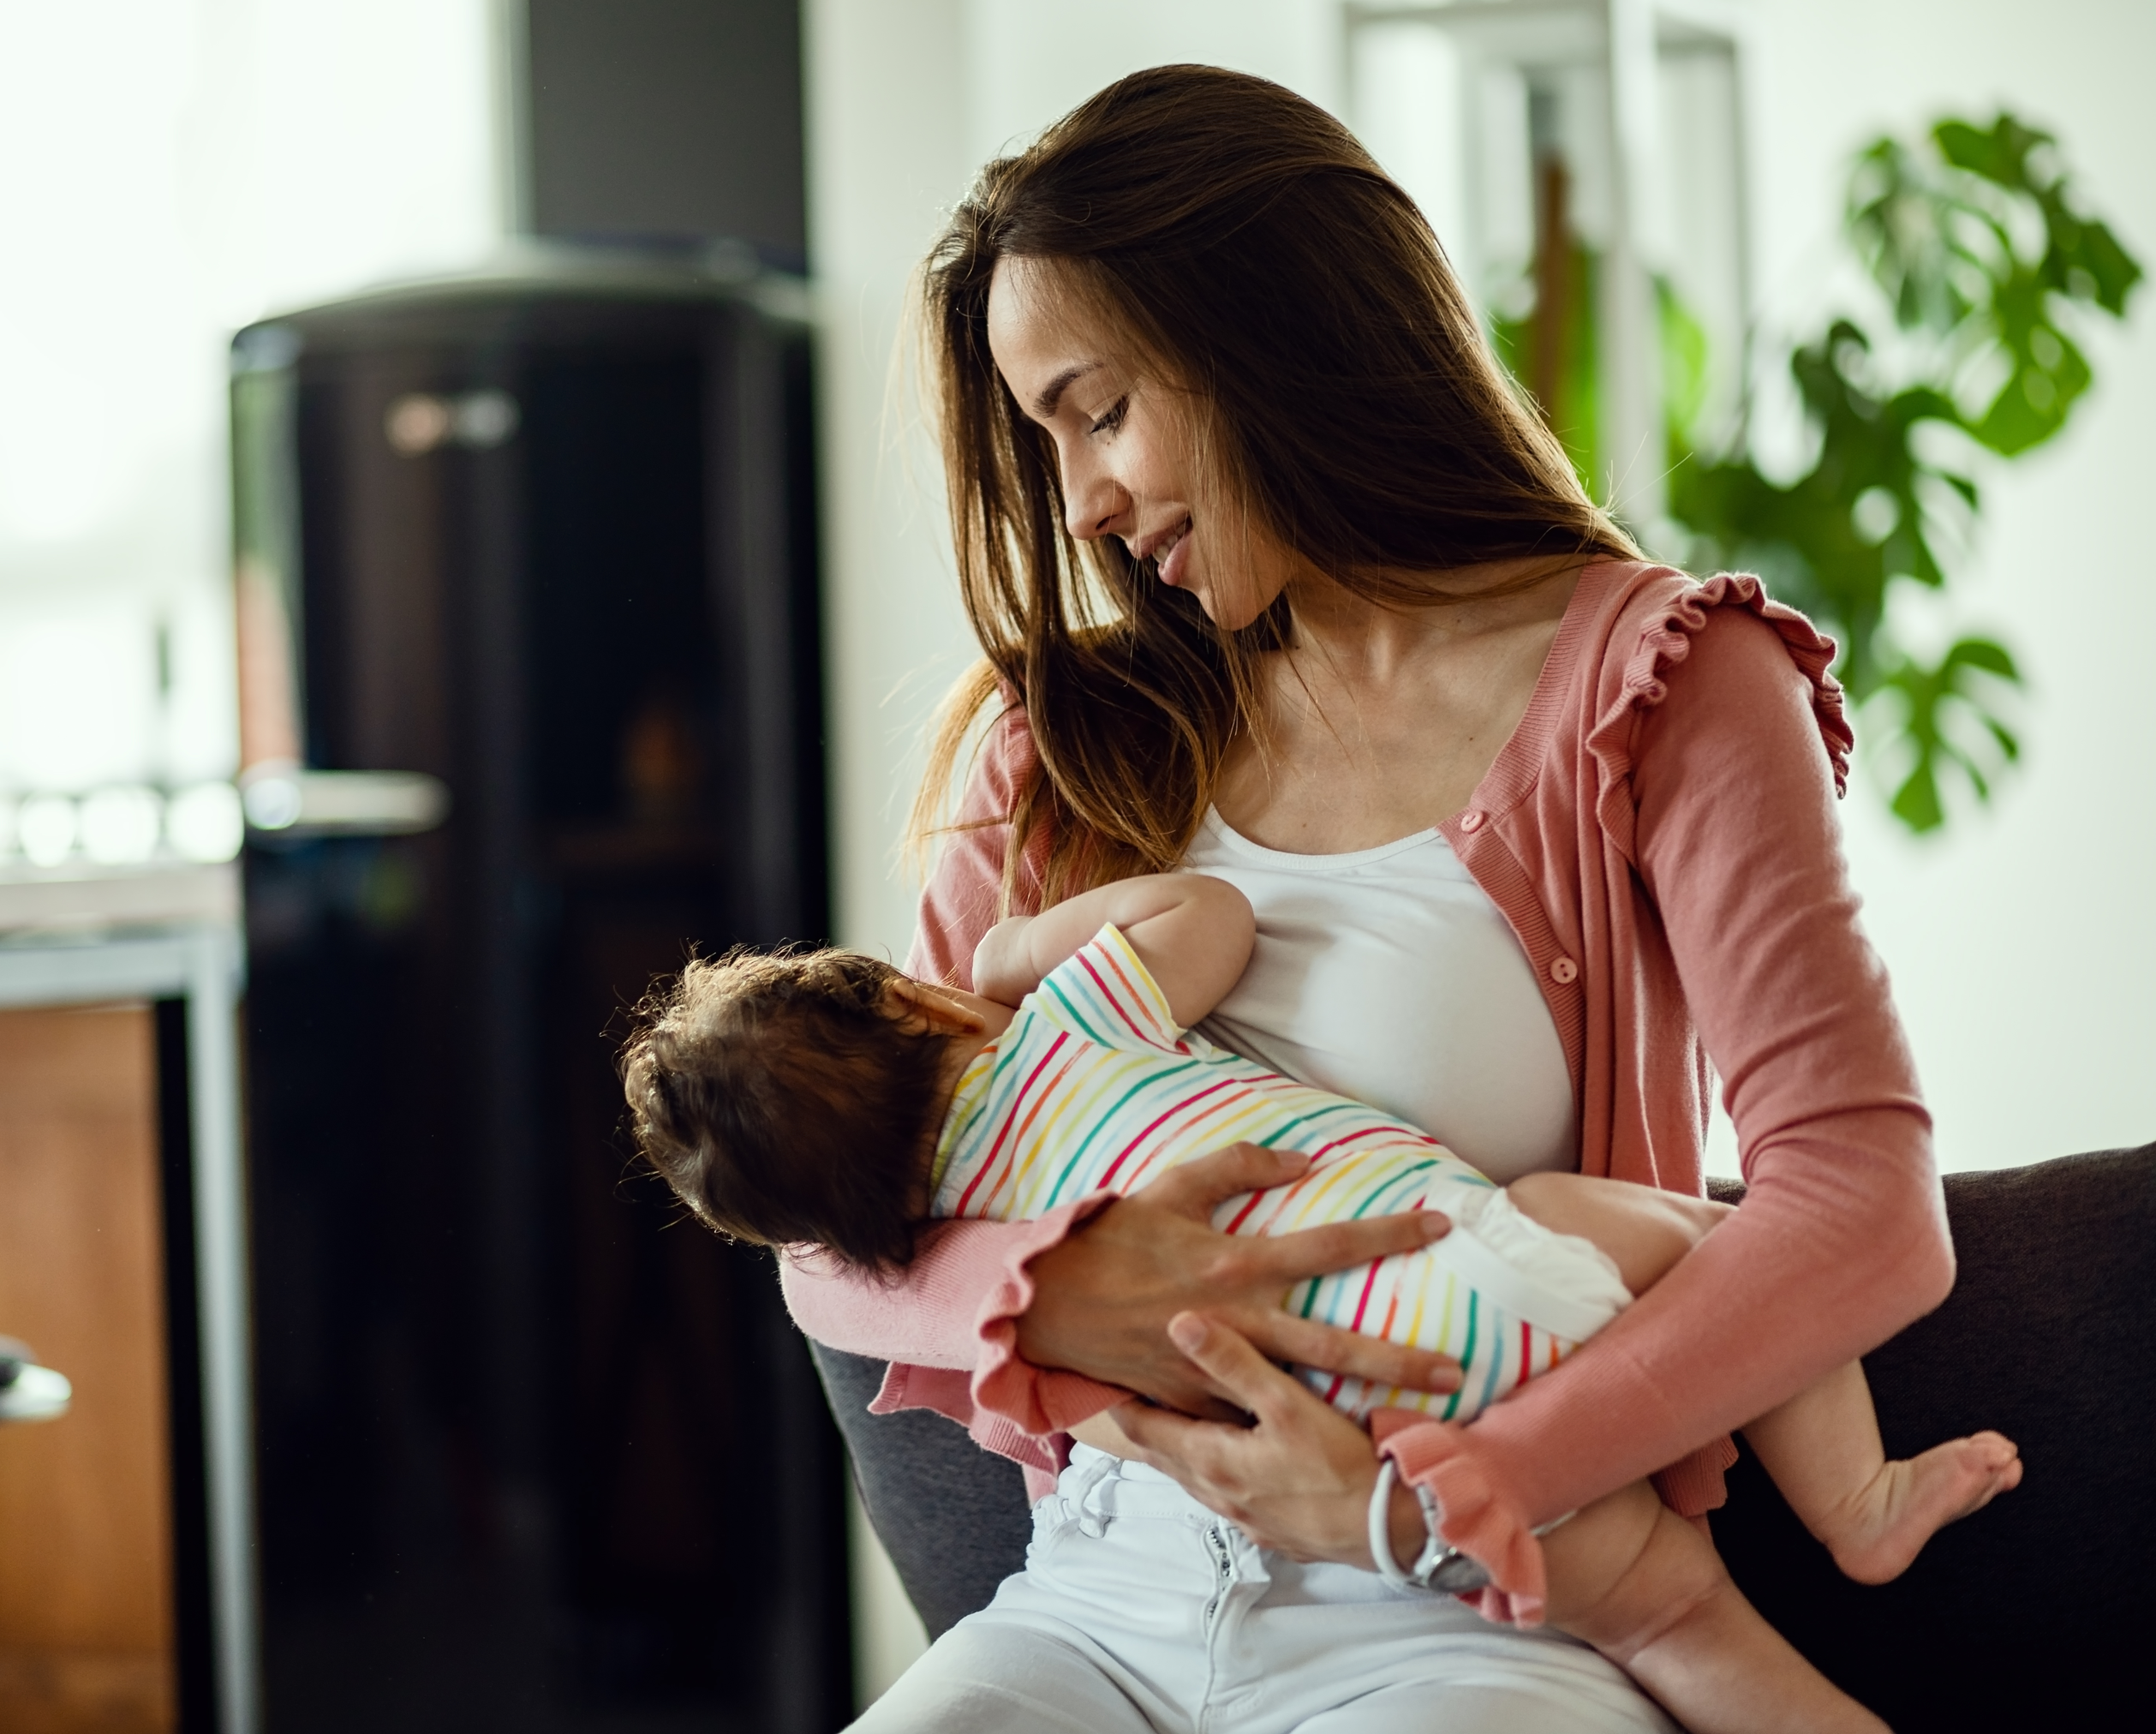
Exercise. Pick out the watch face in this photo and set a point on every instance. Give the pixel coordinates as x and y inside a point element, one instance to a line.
<point>1456,1573</point>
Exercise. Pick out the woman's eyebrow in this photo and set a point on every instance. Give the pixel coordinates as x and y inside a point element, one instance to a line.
<point>1052,393</point>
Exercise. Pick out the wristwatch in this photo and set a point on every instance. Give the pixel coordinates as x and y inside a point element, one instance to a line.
<point>1439,1567</point>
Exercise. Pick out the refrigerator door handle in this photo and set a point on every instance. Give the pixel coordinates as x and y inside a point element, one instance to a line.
<point>288,800</point>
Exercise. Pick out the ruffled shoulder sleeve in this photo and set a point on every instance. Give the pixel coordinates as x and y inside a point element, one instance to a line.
<point>1652,634</point>
<point>959,903</point>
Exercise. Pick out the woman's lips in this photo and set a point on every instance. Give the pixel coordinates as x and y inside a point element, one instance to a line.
<point>1172,562</point>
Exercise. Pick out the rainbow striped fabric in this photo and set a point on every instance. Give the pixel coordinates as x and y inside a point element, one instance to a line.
<point>1094,1087</point>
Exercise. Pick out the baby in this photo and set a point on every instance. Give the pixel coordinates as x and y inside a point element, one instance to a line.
<point>827,1098</point>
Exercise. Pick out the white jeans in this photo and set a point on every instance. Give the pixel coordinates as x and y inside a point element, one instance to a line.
<point>1141,1612</point>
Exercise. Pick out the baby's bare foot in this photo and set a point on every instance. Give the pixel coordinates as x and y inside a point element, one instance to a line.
<point>1879,1530</point>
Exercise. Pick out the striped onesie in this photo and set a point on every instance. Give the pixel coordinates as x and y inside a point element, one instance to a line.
<point>1094,1087</point>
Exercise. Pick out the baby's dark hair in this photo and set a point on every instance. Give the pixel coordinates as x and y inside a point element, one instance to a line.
<point>785,1099</point>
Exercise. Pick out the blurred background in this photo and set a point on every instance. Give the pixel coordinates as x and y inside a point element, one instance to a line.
<point>637,234</point>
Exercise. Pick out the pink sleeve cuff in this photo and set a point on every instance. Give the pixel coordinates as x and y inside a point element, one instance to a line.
<point>1036,1399</point>
<point>947,1393</point>
<point>1473,1516</point>
<point>1476,1516</point>
<point>1692,1486</point>
<point>1016,1410</point>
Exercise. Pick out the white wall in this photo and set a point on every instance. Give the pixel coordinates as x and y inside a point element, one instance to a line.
<point>887,155</point>
<point>168,171</point>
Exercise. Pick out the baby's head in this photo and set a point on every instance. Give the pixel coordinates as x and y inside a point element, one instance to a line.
<point>791,1098</point>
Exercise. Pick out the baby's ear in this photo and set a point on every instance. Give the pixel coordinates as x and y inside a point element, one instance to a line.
<point>930,1011</point>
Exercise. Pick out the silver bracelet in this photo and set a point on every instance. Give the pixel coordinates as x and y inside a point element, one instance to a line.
<point>1438,1566</point>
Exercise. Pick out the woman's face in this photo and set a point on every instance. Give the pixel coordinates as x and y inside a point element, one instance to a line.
<point>1126,447</point>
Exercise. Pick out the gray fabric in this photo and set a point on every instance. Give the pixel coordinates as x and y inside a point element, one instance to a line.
<point>953,1517</point>
<point>2031,1613</point>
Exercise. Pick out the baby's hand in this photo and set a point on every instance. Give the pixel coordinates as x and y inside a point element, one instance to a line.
<point>1003,968</point>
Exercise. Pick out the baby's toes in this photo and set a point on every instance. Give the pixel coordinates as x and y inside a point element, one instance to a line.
<point>2002,1457</point>
<point>1973,1472</point>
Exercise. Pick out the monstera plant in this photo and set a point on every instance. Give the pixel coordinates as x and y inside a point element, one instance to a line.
<point>1988,269</point>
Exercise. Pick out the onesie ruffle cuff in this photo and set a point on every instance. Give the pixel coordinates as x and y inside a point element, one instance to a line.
<point>1665,642</point>
<point>1035,1399</point>
<point>1472,1514</point>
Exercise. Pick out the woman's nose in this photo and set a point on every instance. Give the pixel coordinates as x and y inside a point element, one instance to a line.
<point>1094,502</point>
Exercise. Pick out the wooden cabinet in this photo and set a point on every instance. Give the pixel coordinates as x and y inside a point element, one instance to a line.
<point>87,1619</point>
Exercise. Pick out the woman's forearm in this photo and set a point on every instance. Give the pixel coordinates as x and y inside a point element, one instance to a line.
<point>928,1317</point>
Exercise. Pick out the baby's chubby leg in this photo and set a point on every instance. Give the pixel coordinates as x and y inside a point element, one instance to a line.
<point>1630,1576</point>
<point>1645,1230</point>
<point>1647,1589</point>
<point>1822,1447</point>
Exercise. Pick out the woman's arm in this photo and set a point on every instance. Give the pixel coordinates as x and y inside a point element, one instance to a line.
<point>1096,1302</point>
<point>1842,1238</point>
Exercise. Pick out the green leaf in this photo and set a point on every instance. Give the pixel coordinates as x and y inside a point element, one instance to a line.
<point>2000,153</point>
<point>2110,271</point>
<point>1933,701</point>
<point>1684,362</point>
<point>2047,371</point>
<point>1986,654</point>
<point>1983,338</point>
<point>1916,804</point>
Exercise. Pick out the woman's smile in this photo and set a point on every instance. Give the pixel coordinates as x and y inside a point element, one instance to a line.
<point>1169,552</point>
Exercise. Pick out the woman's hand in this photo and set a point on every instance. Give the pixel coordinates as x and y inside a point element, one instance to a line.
<point>1103,1297</point>
<point>1299,1479</point>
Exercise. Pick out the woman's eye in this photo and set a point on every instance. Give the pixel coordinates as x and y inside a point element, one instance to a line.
<point>1111,418</point>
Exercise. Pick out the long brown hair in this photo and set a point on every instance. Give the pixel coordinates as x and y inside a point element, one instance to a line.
<point>1257,257</point>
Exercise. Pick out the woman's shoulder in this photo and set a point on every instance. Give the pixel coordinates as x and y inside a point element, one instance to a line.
<point>1641,624</point>
<point>961,900</point>
<point>1005,761</point>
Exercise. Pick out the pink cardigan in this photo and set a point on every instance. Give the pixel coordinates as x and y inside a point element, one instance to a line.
<point>1660,833</point>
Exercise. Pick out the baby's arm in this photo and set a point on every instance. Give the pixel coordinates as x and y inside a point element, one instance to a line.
<point>1192,933</point>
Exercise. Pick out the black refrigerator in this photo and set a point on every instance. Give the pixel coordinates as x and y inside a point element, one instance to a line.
<point>529,656</point>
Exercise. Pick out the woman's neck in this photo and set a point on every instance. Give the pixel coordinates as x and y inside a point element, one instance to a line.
<point>1383,717</point>
<point>1368,639</point>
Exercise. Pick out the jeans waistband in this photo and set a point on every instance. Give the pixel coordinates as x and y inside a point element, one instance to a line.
<point>1097,1489</point>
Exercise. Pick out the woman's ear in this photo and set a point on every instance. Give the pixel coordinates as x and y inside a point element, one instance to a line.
<point>936,1012</point>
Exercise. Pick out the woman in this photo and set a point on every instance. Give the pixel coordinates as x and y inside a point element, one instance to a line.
<point>1276,577</point>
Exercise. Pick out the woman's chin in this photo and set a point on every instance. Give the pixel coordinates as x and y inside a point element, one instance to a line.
<point>1232,621</point>
<point>1230,612</point>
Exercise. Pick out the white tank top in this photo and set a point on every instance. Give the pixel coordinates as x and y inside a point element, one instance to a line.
<point>1389,976</point>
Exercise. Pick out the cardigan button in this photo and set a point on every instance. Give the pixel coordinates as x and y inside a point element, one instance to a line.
<point>1471,819</point>
<point>1564,971</point>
